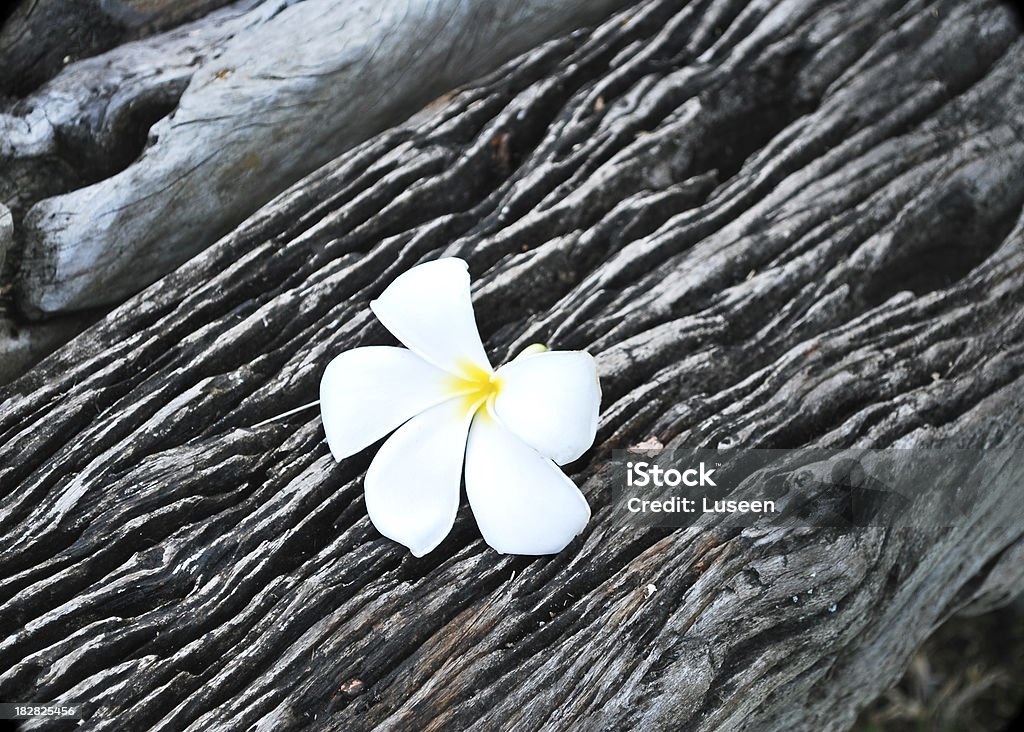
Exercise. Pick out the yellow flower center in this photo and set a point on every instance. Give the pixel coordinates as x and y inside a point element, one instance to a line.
<point>475,387</point>
<point>478,386</point>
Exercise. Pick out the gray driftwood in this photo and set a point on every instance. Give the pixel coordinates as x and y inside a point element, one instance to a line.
<point>41,36</point>
<point>92,119</point>
<point>265,98</point>
<point>774,225</point>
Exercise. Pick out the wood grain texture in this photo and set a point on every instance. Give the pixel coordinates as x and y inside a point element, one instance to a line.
<point>773,225</point>
<point>271,96</point>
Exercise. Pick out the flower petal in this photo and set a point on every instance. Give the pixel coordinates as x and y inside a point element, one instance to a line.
<point>367,392</point>
<point>412,485</point>
<point>551,400</point>
<point>522,502</point>
<point>429,309</point>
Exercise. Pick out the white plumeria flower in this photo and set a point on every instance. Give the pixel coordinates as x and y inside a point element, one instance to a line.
<point>446,406</point>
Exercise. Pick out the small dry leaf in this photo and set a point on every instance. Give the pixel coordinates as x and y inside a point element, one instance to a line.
<point>651,443</point>
<point>352,687</point>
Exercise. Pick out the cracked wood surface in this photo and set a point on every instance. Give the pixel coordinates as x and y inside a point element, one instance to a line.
<point>773,225</point>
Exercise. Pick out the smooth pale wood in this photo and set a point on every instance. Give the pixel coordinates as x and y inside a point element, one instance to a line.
<point>92,119</point>
<point>279,98</point>
<point>773,226</point>
<point>86,124</point>
<point>6,232</point>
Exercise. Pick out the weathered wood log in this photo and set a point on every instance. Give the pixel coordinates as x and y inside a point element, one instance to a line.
<point>41,36</point>
<point>85,125</point>
<point>273,103</point>
<point>773,225</point>
<point>92,120</point>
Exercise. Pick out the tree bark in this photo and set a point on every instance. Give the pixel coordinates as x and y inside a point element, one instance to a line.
<point>774,226</point>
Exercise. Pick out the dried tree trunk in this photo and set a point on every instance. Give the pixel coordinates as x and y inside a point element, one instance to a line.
<point>785,225</point>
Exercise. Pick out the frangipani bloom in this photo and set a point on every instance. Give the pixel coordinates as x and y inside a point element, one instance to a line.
<point>452,413</point>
